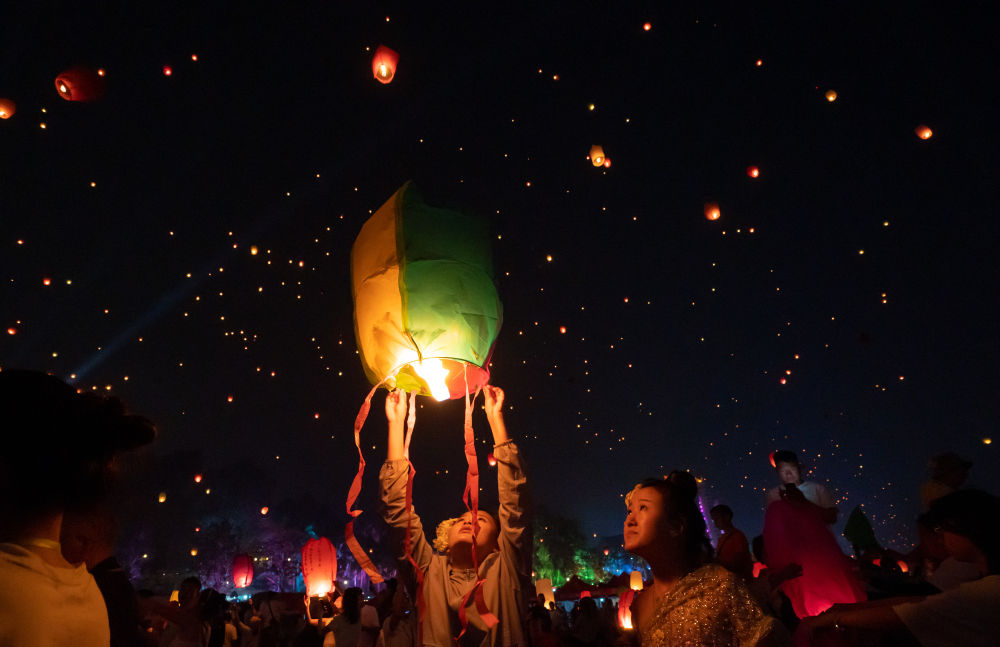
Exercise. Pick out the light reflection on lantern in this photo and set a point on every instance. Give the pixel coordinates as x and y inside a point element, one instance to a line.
<point>596,155</point>
<point>242,570</point>
<point>384,64</point>
<point>7,108</point>
<point>319,566</point>
<point>80,83</point>
<point>831,96</point>
<point>635,581</point>
<point>753,171</point>
<point>923,132</point>
<point>712,211</point>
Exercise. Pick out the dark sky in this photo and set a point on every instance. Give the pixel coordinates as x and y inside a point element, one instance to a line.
<point>679,330</point>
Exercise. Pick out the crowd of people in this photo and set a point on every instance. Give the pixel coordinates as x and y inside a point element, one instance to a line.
<point>471,584</point>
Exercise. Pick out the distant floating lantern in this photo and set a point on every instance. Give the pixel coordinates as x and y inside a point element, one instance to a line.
<point>7,108</point>
<point>319,566</point>
<point>923,132</point>
<point>607,162</point>
<point>194,552</point>
<point>242,570</point>
<point>491,459</point>
<point>831,96</point>
<point>384,64</point>
<point>753,171</point>
<point>163,497</point>
<point>712,211</point>
<point>647,26</point>
<point>426,310</point>
<point>81,83</point>
<point>264,511</point>
<point>760,63</point>
<point>167,70</point>
<point>635,581</point>
<point>197,478</point>
<point>596,155</point>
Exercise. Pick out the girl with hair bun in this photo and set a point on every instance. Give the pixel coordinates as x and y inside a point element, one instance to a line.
<point>60,452</point>
<point>691,601</point>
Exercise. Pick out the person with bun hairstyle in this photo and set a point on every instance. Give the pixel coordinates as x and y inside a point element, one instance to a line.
<point>60,452</point>
<point>692,601</point>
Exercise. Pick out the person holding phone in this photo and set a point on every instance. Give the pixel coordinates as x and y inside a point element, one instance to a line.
<point>797,531</point>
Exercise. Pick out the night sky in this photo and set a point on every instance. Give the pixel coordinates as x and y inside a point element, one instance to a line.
<point>842,306</point>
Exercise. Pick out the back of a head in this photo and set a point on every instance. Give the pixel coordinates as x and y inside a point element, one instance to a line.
<point>785,456</point>
<point>973,514</point>
<point>60,444</point>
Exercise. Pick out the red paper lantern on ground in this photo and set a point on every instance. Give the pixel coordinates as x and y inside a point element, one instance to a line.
<point>242,570</point>
<point>81,83</point>
<point>712,211</point>
<point>7,108</point>
<point>384,64</point>
<point>923,132</point>
<point>319,566</point>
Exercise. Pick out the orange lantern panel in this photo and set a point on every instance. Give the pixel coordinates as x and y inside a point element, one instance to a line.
<point>7,108</point>
<point>319,566</point>
<point>384,64</point>
<point>81,83</point>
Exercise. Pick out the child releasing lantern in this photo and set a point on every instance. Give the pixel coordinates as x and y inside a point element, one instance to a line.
<point>476,585</point>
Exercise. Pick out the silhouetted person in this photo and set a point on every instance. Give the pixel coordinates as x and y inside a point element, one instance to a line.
<point>733,550</point>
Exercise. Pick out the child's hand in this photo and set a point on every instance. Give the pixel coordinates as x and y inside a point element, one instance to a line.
<point>395,406</point>
<point>494,402</point>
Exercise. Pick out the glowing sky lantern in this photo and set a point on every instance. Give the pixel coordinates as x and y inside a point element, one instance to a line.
<point>426,311</point>
<point>81,83</point>
<point>624,609</point>
<point>544,587</point>
<point>384,64</point>
<point>597,156</point>
<point>923,132</point>
<point>831,96</point>
<point>753,171</point>
<point>162,498</point>
<point>242,570</point>
<point>264,511</point>
<point>319,566</point>
<point>635,580</point>
<point>712,211</point>
<point>7,108</point>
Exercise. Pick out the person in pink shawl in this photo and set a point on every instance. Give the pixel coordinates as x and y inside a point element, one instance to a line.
<point>796,531</point>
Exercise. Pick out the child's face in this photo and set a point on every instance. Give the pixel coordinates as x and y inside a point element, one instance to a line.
<point>788,472</point>
<point>486,540</point>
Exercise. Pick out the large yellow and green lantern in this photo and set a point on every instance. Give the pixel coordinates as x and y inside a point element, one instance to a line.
<point>426,311</point>
<point>426,316</point>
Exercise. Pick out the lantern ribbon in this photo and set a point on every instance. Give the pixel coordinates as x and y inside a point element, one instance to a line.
<point>352,543</point>
<point>471,498</point>
<point>410,419</point>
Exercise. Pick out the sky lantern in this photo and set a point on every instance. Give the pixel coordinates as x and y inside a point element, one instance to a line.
<point>625,609</point>
<point>242,570</point>
<point>753,171</point>
<point>162,498</point>
<point>264,511</point>
<point>384,64</point>
<point>319,566</point>
<point>544,587</point>
<point>197,478</point>
<point>81,83</point>
<point>597,156</point>
<point>831,96</point>
<point>923,132</point>
<point>194,552</point>
<point>712,211</point>
<point>7,108</point>
<point>426,311</point>
<point>635,581</point>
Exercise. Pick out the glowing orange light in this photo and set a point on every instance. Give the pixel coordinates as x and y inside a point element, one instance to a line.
<point>433,372</point>
<point>903,566</point>
<point>491,459</point>
<point>831,96</point>
<point>197,528</point>
<point>635,581</point>
<point>987,441</point>
<point>162,498</point>
<point>264,510</point>
<point>229,398</point>
<point>607,162</point>
<point>647,26</point>
<point>253,250</point>
<point>197,478</point>
<point>167,70</point>
<point>753,171</point>
<point>596,155</point>
<point>80,83</point>
<point>12,331</point>
<point>384,64</point>
<point>770,457</point>
<point>316,416</point>
<point>562,329</point>
<point>923,132</point>
<point>7,108</point>
<point>784,381</point>
<point>712,211</point>
<point>46,281</point>
<point>194,57</point>
<point>194,552</point>
<point>759,63</point>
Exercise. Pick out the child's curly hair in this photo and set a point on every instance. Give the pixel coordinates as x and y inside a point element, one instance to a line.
<point>441,538</point>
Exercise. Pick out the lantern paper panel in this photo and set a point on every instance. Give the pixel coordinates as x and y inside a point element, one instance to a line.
<point>7,108</point>
<point>319,566</point>
<point>426,310</point>
<point>242,570</point>
<point>384,64</point>
<point>80,83</point>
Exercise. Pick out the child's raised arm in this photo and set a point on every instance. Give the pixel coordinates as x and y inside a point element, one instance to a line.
<point>395,413</point>
<point>494,413</point>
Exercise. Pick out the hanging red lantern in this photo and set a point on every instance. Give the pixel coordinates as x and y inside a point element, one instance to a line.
<point>7,108</point>
<point>712,211</point>
<point>81,83</point>
<point>384,64</point>
<point>319,566</point>
<point>242,570</point>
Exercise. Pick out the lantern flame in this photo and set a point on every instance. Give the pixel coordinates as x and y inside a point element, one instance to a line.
<point>433,372</point>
